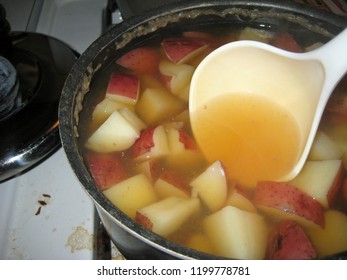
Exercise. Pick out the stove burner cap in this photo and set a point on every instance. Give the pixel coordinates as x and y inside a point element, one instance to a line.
<point>31,80</point>
<point>8,87</point>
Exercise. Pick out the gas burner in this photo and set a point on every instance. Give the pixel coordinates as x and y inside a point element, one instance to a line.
<point>30,128</point>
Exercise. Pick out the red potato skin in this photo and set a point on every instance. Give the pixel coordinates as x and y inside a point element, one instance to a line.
<point>336,186</point>
<point>142,60</point>
<point>106,169</point>
<point>176,179</point>
<point>285,197</point>
<point>286,42</point>
<point>336,108</point>
<point>144,143</point>
<point>344,190</point>
<point>289,242</point>
<point>187,140</point>
<point>155,169</point>
<point>124,84</point>
<point>143,220</point>
<point>177,49</point>
<point>344,195</point>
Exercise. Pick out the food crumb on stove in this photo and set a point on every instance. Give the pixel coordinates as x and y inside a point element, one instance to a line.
<point>42,201</point>
<point>80,239</point>
<point>38,211</point>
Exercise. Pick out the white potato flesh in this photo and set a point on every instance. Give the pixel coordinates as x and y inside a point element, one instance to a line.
<point>132,194</point>
<point>168,215</point>
<point>105,108</point>
<point>165,189</point>
<point>324,148</point>
<point>180,74</point>
<point>238,200</point>
<point>317,178</point>
<point>211,186</point>
<point>237,234</point>
<point>332,238</point>
<point>115,134</point>
<point>132,118</point>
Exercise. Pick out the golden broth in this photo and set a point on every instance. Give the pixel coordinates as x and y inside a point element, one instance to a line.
<point>254,132</point>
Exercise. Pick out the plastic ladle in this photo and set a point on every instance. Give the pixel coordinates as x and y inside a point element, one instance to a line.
<point>257,108</point>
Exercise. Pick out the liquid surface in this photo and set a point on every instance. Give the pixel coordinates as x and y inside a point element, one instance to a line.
<point>251,131</point>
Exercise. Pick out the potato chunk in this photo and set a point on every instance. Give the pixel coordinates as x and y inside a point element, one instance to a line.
<point>236,233</point>
<point>156,105</point>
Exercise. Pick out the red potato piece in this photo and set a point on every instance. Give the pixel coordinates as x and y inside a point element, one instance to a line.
<point>288,241</point>
<point>182,49</point>
<point>282,200</point>
<point>141,60</point>
<point>123,88</point>
<point>321,180</point>
<point>171,183</point>
<point>187,140</point>
<point>336,108</point>
<point>151,144</point>
<point>176,77</point>
<point>286,42</point>
<point>106,169</point>
<point>151,168</point>
<point>344,191</point>
<point>180,140</point>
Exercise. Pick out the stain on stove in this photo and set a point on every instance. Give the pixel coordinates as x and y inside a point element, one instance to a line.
<point>43,201</point>
<point>80,239</point>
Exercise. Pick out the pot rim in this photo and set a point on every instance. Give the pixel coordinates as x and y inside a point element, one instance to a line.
<point>77,85</point>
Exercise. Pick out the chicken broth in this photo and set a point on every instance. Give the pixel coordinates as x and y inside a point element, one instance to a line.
<point>140,149</point>
<point>249,134</point>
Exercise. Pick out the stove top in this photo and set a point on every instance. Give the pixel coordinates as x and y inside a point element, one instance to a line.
<point>44,212</point>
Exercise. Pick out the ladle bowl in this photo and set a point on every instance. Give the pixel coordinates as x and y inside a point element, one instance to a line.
<point>257,108</point>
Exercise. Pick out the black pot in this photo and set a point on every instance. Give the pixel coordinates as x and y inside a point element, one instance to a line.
<point>134,241</point>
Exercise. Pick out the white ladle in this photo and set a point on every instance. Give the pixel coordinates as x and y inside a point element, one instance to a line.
<point>256,84</point>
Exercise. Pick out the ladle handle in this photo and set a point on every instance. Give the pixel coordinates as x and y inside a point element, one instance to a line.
<point>333,56</point>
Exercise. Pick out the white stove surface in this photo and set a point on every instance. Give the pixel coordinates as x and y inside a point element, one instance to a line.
<point>45,213</point>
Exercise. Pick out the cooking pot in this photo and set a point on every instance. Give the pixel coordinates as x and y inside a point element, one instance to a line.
<point>133,240</point>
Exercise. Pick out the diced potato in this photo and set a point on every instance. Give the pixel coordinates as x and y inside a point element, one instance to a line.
<point>132,194</point>
<point>282,201</point>
<point>157,105</point>
<point>323,148</point>
<point>179,76</point>
<point>166,216</point>
<point>184,118</point>
<point>165,189</point>
<point>119,132</point>
<point>150,168</point>
<point>321,180</point>
<point>332,238</point>
<point>338,133</point>
<point>236,233</point>
<point>211,186</point>
<point>236,199</point>
<point>105,108</point>
<point>254,34</point>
